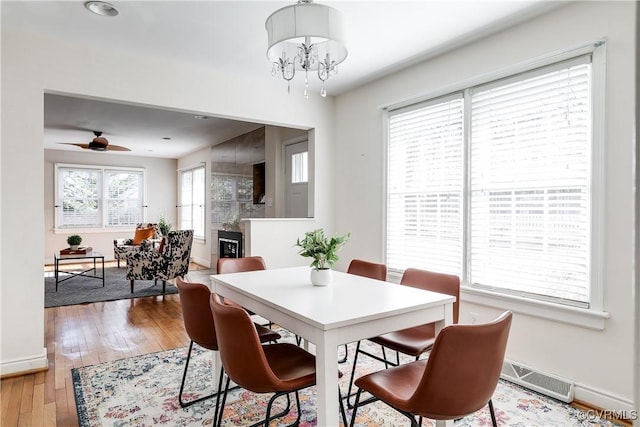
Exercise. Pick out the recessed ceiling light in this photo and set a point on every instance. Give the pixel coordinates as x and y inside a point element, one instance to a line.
<point>101,8</point>
<point>166,138</point>
<point>200,117</point>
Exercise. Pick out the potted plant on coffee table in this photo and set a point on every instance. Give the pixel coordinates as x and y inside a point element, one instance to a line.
<point>74,242</point>
<point>324,251</point>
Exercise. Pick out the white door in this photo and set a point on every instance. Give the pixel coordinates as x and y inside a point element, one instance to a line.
<point>297,180</point>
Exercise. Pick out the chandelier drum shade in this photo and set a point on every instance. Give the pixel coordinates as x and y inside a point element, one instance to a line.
<point>306,37</point>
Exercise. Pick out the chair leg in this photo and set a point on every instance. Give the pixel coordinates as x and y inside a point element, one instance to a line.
<point>184,377</point>
<point>342,411</point>
<point>131,285</point>
<point>493,414</point>
<point>224,400</point>
<point>353,373</point>
<point>346,355</point>
<point>164,286</point>
<point>355,405</point>
<point>118,262</point>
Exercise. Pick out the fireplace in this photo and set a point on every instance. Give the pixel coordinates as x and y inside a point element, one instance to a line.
<point>229,244</point>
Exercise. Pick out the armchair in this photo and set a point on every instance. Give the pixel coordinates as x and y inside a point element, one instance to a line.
<point>144,231</point>
<point>145,263</point>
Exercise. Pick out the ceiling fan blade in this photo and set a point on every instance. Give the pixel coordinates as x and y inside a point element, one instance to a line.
<point>116,148</point>
<point>77,145</point>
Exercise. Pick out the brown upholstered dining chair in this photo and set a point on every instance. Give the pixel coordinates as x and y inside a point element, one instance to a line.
<point>279,368</point>
<point>198,322</point>
<point>369,269</point>
<point>236,265</point>
<point>458,378</point>
<point>239,265</point>
<point>418,339</point>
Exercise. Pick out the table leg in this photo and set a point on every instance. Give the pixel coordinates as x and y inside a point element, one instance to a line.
<point>327,379</point>
<point>216,367</point>
<point>448,318</point>
<point>56,263</point>
<point>103,272</point>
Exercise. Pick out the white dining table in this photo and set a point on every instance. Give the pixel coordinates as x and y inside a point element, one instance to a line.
<point>351,308</point>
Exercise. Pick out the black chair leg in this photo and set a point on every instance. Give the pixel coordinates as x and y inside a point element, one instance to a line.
<point>131,285</point>
<point>493,414</point>
<point>346,355</point>
<point>342,411</point>
<point>353,373</point>
<point>355,406</point>
<point>184,377</point>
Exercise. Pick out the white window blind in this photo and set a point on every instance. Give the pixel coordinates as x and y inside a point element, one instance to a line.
<point>124,199</point>
<point>79,193</point>
<point>530,184</point>
<point>495,184</point>
<point>192,205</point>
<point>96,197</point>
<point>425,184</point>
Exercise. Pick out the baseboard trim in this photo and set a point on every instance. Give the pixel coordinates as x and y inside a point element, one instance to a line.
<point>24,365</point>
<point>205,262</point>
<point>600,399</point>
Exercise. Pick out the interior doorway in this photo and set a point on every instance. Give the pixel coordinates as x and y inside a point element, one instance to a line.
<point>296,195</point>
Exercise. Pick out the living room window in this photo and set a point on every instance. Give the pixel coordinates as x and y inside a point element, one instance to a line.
<point>192,205</point>
<point>498,183</point>
<point>98,197</point>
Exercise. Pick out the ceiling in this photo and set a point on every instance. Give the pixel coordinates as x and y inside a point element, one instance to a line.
<point>382,36</point>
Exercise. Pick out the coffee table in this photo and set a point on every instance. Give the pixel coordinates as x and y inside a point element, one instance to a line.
<point>84,273</point>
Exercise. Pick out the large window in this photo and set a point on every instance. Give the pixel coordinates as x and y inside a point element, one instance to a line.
<point>495,183</point>
<point>98,197</point>
<point>192,206</point>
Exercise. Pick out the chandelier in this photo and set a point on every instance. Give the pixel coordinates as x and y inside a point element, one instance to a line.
<point>306,37</point>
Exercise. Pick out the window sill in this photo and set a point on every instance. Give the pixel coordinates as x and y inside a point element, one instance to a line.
<point>81,231</point>
<point>585,318</point>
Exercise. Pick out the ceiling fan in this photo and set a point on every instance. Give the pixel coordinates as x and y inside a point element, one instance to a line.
<point>99,143</point>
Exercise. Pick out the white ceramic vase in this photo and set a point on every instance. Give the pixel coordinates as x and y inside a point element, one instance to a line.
<point>322,277</point>
<point>74,247</point>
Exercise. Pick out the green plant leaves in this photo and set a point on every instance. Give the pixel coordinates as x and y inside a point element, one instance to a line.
<point>322,249</point>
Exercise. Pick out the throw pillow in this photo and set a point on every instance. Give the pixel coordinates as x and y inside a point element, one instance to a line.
<point>143,234</point>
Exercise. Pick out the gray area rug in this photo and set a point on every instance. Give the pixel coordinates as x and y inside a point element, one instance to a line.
<point>84,290</point>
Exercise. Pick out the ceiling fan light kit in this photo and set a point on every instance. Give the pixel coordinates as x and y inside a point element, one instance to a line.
<point>305,36</point>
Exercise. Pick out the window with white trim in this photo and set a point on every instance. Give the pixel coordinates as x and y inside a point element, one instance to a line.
<point>494,183</point>
<point>98,197</point>
<point>192,205</point>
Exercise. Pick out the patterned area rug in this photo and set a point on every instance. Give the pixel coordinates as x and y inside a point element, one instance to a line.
<point>84,290</point>
<point>143,391</point>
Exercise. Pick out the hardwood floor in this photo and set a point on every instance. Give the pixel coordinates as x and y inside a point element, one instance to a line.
<point>81,335</point>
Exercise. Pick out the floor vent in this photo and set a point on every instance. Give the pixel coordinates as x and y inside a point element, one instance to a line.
<point>546,384</point>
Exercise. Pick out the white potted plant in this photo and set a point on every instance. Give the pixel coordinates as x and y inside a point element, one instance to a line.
<point>324,251</point>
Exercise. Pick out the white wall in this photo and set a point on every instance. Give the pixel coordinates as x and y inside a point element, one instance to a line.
<point>160,197</point>
<point>600,362</point>
<point>33,65</point>
<point>274,239</point>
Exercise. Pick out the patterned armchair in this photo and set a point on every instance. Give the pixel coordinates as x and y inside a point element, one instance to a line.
<point>121,247</point>
<point>146,263</point>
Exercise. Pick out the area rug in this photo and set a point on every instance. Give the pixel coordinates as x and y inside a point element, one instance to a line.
<point>83,290</point>
<point>143,391</point>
